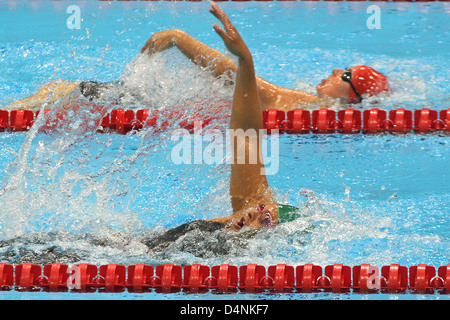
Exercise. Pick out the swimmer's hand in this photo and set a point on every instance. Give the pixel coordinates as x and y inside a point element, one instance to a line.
<point>161,41</point>
<point>230,36</point>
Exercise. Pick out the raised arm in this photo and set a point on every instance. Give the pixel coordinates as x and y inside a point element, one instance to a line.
<point>248,183</point>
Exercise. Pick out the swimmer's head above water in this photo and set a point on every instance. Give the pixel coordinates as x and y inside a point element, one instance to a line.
<point>260,217</point>
<point>255,217</point>
<point>264,216</point>
<point>353,83</point>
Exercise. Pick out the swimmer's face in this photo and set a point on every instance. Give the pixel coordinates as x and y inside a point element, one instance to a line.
<point>257,218</point>
<point>334,86</point>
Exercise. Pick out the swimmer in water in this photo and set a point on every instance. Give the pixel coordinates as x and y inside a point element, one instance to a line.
<point>252,202</point>
<point>349,85</point>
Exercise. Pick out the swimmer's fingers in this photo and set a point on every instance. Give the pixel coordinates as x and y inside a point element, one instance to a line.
<point>144,48</point>
<point>221,33</point>
<point>149,46</point>
<point>159,41</point>
<point>230,35</point>
<point>233,43</point>
<point>219,14</point>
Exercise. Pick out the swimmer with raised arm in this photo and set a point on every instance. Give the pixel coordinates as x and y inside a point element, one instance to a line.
<point>252,202</point>
<point>349,85</point>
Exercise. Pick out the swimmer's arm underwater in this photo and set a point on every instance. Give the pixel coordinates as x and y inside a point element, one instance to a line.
<point>272,96</point>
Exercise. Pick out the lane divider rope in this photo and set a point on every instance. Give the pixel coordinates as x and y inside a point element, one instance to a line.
<point>296,121</point>
<point>225,278</point>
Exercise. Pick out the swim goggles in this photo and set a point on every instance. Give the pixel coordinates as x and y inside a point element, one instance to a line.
<point>286,213</point>
<point>347,77</point>
<point>267,220</point>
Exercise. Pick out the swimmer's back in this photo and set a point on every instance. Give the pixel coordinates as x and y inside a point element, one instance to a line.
<point>174,234</point>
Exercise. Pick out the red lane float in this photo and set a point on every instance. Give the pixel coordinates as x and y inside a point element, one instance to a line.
<point>6,276</point>
<point>21,120</point>
<point>195,278</point>
<point>273,119</point>
<point>27,277</point>
<point>362,275</point>
<point>55,277</point>
<point>253,278</point>
<point>421,278</point>
<point>340,278</point>
<point>396,277</point>
<point>444,274</point>
<point>140,278</point>
<point>112,278</point>
<point>296,121</point>
<point>283,278</point>
<point>225,278</point>
<point>308,276</point>
<point>349,121</point>
<point>323,121</point>
<point>83,278</point>
<point>170,278</point>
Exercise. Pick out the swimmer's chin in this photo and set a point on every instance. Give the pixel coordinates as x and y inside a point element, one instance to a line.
<point>327,100</point>
<point>234,225</point>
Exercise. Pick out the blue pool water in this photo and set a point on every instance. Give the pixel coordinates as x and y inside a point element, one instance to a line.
<point>81,196</point>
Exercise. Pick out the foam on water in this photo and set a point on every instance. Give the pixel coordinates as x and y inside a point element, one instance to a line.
<point>168,78</point>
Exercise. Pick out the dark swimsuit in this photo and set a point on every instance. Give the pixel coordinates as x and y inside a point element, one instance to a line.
<point>94,90</point>
<point>200,230</point>
<point>286,213</point>
<point>205,228</point>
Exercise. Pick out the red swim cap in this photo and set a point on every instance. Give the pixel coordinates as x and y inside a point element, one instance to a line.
<point>367,80</point>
